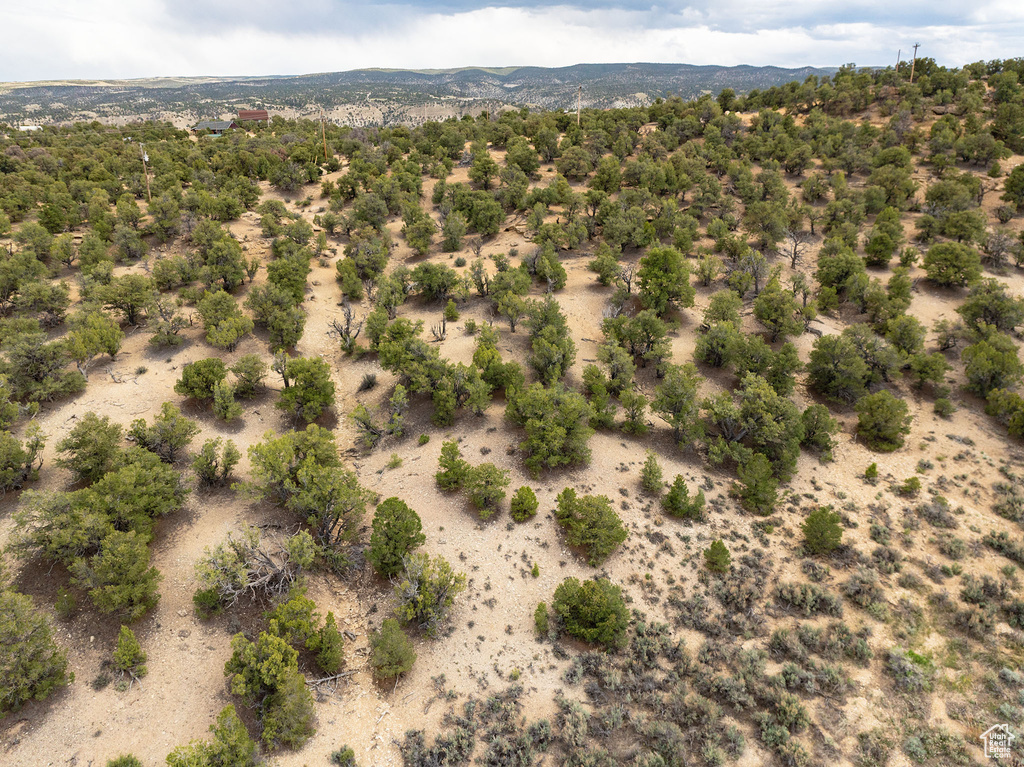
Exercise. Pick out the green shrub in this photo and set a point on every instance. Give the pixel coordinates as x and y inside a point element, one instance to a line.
<point>590,523</point>
<point>129,657</point>
<point>89,449</point>
<point>910,487</point>
<point>199,378</point>
<point>677,502</point>
<point>224,405</point>
<point>265,674</point>
<point>391,652</point>
<point>758,490</point>
<point>170,433</point>
<point>426,591</point>
<point>540,619</point>
<point>593,611</point>
<point>32,666</point>
<point>524,504</point>
<point>212,464</point>
<point>207,602</point>
<point>126,760</point>
<point>343,757</point>
<point>118,576</point>
<point>883,420</point>
<point>717,558</point>
<point>249,371</point>
<point>822,532</point>
<point>485,484</point>
<point>650,474</point>
<point>454,469</point>
<point>329,646</point>
<point>397,530</point>
<point>65,604</point>
<point>308,390</point>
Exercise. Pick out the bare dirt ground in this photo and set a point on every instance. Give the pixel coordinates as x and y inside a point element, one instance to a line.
<point>492,627</point>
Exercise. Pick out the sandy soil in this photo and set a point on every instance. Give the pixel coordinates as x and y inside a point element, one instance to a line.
<point>492,626</point>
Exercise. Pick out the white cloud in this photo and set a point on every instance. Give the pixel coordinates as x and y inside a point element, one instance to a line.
<point>107,38</point>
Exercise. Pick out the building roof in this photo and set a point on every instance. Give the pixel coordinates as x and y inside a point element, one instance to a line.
<point>215,125</point>
<point>253,114</point>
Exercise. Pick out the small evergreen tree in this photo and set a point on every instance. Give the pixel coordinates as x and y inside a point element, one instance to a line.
<point>426,591</point>
<point>650,475</point>
<point>224,405</point>
<point>170,433</point>
<point>118,576</point>
<point>308,388</point>
<point>524,504</point>
<point>486,485</point>
<point>129,657</point>
<point>397,530</point>
<point>759,489</point>
<point>200,378</point>
<point>717,558</point>
<point>593,611</point>
<point>230,745</point>
<point>540,619</point>
<point>249,371</point>
<point>32,666</point>
<point>391,652</point>
<point>329,646</point>
<point>454,470</point>
<point>883,420</point>
<point>822,532</point>
<point>90,448</point>
<point>265,674</point>
<point>590,523</point>
<point>212,464</point>
<point>819,428</point>
<point>677,502</point>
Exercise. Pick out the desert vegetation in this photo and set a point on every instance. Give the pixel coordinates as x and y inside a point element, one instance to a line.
<point>684,434</point>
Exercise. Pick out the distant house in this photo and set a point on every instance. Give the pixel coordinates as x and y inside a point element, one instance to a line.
<point>253,115</point>
<point>30,128</point>
<point>216,127</point>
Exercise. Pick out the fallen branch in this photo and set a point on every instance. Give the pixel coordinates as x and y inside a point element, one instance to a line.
<point>331,678</point>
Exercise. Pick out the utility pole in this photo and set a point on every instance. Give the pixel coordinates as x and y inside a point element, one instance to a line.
<point>899,53</point>
<point>145,172</point>
<point>914,64</point>
<point>579,97</point>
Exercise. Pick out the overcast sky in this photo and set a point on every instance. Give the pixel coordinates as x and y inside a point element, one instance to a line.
<point>64,39</point>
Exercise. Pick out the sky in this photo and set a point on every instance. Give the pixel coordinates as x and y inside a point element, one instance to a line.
<point>97,39</point>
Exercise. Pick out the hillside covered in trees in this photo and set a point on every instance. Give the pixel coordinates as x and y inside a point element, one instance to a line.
<point>383,96</point>
<point>686,434</point>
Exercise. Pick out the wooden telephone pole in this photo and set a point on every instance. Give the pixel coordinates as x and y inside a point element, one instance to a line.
<point>145,172</point>
<point>914,64</point>
<point>579,97</point>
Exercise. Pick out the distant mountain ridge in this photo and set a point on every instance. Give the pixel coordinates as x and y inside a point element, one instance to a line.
<point>393,95</point>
